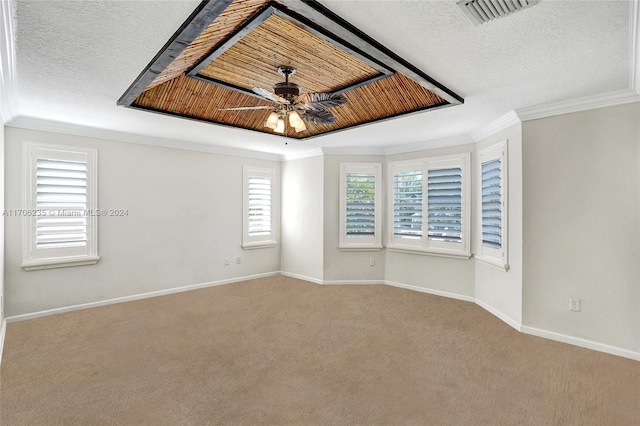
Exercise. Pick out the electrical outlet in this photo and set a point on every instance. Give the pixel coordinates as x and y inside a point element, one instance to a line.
<point>372,262</point>
<point>238,260</point>
<point>226,260</point>
<point>574,305</point>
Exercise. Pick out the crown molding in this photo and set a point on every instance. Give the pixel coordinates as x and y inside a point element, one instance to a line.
<point>634,45</point>
<point>615,97</point>
<point>8,76</point>
<point>353,150</point>
<point>429,144</point>
<point>301,154</point>
<point>31,123</point>
<point>497,125</point>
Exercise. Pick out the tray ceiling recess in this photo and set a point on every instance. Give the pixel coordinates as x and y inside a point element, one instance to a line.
<point>226,48</point>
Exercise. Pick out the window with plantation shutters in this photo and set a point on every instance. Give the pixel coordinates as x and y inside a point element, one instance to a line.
<point>407,204</point>
<point>60,201</point>
<point>492,205</point>
<point>259,208</point>
<point>360,204</point>
<point>445,204</point>
<point>429,206</point>
<point>61,192</point>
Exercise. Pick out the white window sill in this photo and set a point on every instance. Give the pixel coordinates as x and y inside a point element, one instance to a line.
<point>491,261</point>
<point>354,247</point>
<point>63,262</point>
<point>259,245</point>
<point>430,252</point>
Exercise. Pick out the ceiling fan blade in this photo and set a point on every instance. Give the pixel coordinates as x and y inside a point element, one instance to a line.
<point>319,101</point>
<point>319,117</point>
<point>270,96</point>
<point>246,108</point>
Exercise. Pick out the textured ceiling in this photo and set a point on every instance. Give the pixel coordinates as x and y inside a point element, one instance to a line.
<point>556,50</point>
<point>233,46</point>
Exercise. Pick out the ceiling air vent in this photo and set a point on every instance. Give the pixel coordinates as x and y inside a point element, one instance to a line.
<point>481,11</point>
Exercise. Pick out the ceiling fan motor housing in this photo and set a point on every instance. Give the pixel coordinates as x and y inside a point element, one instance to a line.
<point>286,90</point>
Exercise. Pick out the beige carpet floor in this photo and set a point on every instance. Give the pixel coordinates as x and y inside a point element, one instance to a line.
<point>284,351</point>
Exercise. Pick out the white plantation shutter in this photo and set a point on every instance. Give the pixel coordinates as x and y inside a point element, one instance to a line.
<point>361,204</point>
<point>407,204</point>
<point>60,201</point>
<point>492,204</point>
<point>259,206</point>
<point>61,193</point>
<point>445,204</point>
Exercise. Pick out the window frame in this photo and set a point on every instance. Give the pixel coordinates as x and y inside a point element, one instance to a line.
<point>259,241</point>
<point>422,244</point>
<point>32,257</point>
<point>346,242</point>
<point>495,257</point>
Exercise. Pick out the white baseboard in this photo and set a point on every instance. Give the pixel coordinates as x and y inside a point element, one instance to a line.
<point>3,331</point>
<point>513,323</point>
<point>430,291</point>
<point>352,282</point>
<point>576,341</point>
<point>301,277</point>
<point>165,292</point>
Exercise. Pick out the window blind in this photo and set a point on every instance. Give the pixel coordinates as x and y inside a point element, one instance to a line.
<point>259,206</point>
<point>407,204</point>
<point>360,204</point>
<point>445,204</point>
<point>492,204</point>
<point>61,203</point>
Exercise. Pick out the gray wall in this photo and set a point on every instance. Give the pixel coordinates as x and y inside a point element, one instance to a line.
<point>582,225</point>
<point>342,265</point>
<point>494,287</point>
<point>302,217</point>
<point>185,216</point>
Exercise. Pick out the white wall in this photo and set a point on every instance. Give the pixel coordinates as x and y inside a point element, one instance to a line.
<point>436,273</point>
<point>582,224</point>
<point>498,290</point>
<point>346,265</point>
<point>302,217</point>
<point>185,216</point>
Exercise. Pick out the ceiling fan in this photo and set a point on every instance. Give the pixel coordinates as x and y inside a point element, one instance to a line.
<point>309,107</point>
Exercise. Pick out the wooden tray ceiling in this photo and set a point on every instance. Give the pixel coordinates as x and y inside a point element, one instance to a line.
<point>227,47</point>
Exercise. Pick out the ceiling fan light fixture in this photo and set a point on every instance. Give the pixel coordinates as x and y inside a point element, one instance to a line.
<point>301,127</point>
<point>272,121</point>
<point>280,126</point>
<point>294,119</point>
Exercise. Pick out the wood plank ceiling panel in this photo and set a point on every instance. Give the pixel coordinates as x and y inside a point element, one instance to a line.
<point>196,99</point>
<point>228,21</point>
<point>253,61</point>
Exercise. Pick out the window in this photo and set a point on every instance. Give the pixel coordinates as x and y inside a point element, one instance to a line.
<point>259,208</point>
<point>493,205</point>
<point>60,201</point>
<point>360,204</point>
<point>429,206</point>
